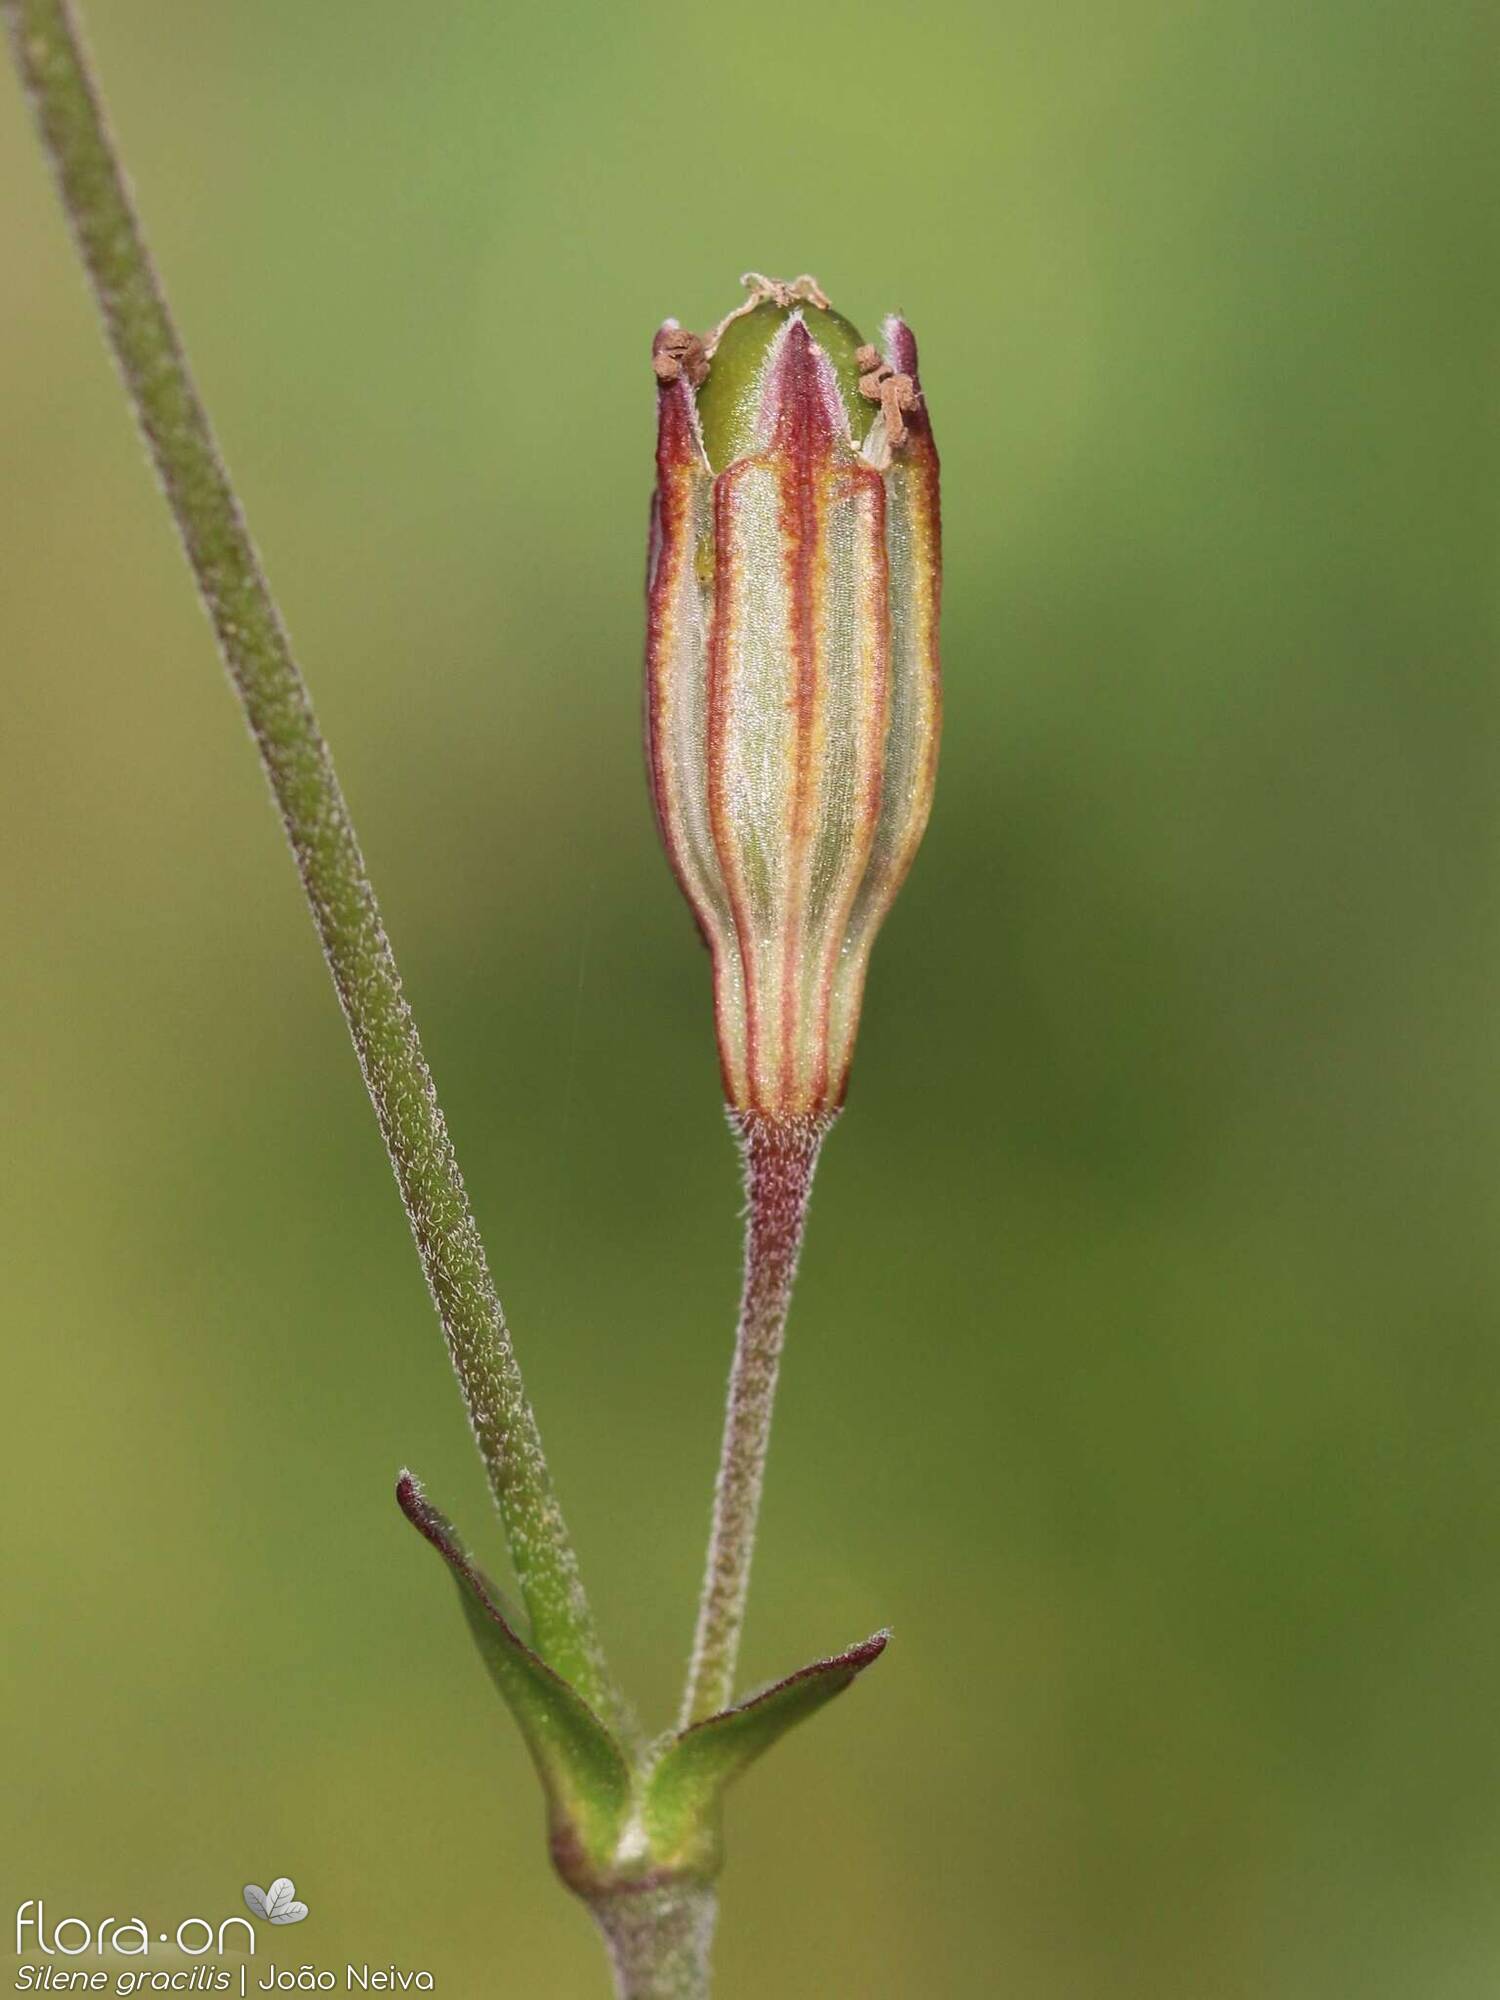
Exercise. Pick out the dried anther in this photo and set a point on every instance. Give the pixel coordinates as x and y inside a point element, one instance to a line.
<point>897,393</point>
<point>676,352</point>
<point>879,383</point>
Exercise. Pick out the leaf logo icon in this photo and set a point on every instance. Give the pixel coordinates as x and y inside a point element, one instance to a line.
<point>278,1904</point>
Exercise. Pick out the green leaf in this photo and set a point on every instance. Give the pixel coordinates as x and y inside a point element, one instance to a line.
<point>583,1771</point>
<point>682,1794</point>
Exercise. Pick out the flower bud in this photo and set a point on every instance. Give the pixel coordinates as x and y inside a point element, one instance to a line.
<point>792,689</point>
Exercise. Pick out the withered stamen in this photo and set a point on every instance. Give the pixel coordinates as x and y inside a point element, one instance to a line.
<point>879,383</point>
<point>897,393</point>
<point>676,352</point>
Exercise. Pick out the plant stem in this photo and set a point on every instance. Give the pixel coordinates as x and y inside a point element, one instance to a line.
<point>780,1156</point>
<point>255,649</point>
<point>659,1941</point>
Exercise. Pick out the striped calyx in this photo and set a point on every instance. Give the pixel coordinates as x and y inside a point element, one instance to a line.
<point>792,688</point>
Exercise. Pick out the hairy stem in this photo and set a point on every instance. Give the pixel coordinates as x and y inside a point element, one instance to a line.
<point>255,649</point>
<point>780,1156</point>
<point>659,1941</point>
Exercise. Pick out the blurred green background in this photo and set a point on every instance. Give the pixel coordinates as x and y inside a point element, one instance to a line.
<point>1145,1371</point>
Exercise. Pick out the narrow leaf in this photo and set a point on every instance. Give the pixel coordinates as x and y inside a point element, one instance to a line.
<point>683,1792</point>
<point>582,1769</point>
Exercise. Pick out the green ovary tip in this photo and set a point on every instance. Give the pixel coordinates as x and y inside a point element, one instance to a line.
<point>729,398</point>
